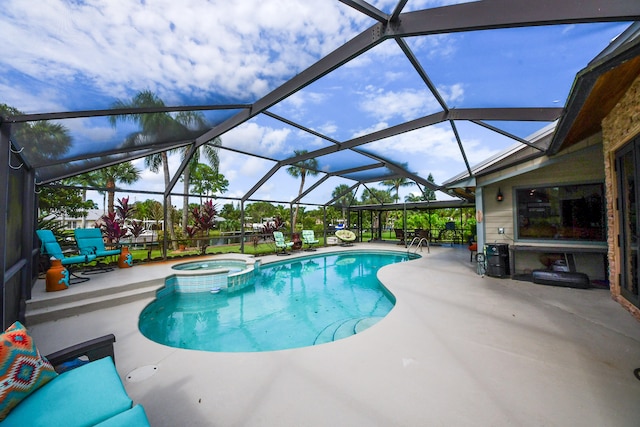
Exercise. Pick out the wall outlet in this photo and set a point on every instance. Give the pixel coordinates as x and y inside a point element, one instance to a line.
<point>500,230</point>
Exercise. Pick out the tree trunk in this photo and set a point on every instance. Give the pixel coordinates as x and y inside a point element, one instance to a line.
<point>111,185</point>
<point>295,212</point>
<point>167,180</point>
<point>186,176</point>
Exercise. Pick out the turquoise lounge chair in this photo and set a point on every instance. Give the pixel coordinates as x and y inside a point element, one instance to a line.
<point>51,248</point>
<point>281,245</point>
<point>90,242</point>
<point>309,239</point>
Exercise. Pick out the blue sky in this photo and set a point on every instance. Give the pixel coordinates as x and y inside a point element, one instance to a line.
<point>80,55</point>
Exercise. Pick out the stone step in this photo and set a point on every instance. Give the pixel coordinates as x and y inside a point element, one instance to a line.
<point>345,329</point>
<point>59,308</point>
<point>64,297</point>
<point>366,323</point>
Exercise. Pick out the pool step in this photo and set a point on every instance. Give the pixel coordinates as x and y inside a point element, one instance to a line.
<point>345,328</point>
<point>74,304</point>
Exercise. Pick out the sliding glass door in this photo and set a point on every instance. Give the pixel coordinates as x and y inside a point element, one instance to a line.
<point>628,171</point>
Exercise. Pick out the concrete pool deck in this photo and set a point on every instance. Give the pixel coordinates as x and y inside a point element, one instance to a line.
<point>457,349</point>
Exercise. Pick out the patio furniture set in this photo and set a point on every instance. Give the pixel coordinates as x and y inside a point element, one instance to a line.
<point>308,238</point>
<point>90,247</point>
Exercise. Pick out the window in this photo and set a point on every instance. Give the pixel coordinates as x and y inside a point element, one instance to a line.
<point>568,212</point>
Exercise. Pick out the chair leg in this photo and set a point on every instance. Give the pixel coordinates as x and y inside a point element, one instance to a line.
<point>74,279</point>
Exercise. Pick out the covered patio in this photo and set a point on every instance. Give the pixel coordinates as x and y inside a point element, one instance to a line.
<point>457,349</point>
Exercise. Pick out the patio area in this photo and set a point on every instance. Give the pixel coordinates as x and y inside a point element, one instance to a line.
<point>457,349</point>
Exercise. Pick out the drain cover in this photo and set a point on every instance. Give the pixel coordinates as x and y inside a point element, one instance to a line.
<point>142,373</point>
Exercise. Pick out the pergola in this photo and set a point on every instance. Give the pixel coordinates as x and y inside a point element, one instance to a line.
<point>355,157</point>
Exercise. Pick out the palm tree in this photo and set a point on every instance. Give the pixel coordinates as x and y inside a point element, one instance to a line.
<point>345,198</point>
<point>124,173</point>
<point>156,127</point>
<point>41,140</point>
<point>395,184</point>
<point>301,170</point>
<point>210,152</point>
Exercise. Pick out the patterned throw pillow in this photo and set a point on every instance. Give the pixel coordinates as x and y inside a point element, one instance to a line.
<point>22,369</point>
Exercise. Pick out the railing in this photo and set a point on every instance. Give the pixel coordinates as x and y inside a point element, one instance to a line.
<point>421,241</point>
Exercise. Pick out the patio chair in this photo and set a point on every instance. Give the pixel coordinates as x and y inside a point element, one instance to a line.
<point>309,239</point>
<point>473,247</point>
<point>281,245</point>
<point>51,248</point>
<point>90,242</point>
<point>346,236</point>
<point>400,235</point>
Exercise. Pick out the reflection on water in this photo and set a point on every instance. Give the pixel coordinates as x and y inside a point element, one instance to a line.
<point>288,305</point>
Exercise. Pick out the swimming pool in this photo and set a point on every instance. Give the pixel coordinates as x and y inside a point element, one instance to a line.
<point>295,303</point>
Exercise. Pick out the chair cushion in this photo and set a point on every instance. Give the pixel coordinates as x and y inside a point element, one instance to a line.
<point>84,396</point>
<point>107,252</point>
<point>133,417</point>
<point>22,369</point>
<point>53,249</point>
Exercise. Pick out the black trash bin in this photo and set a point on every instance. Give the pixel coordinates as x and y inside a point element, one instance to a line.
<point>497,259</point>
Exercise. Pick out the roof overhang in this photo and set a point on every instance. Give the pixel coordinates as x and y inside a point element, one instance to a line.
<point>597,89</point>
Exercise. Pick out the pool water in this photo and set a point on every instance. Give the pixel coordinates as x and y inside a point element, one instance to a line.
<point>302,302</point>
<point>231,265</point>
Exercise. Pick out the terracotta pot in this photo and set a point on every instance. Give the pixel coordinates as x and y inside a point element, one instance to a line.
<point>57,277</point>
<point>297,241</point>
<point>126,259</point>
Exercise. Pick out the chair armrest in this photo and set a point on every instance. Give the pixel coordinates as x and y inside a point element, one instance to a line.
<point>88,250</point>
<point>94,349</point>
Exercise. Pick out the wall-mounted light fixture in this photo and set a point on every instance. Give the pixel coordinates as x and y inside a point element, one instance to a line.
<point>499,196</point>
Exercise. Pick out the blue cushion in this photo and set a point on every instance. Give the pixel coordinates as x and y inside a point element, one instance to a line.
<point>83,396</point>
<point>107,252</point>
<point>134,417</point>
<point>90,241</point>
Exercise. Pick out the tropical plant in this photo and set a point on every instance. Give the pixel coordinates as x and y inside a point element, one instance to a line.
<point>345,198</point>
<point>374,196</point>
<point>205,220</point>
<point>114,224</point>
<point>207,181</point>
<point>301,170</point>
<point>209,151</point>
<point>63,201</point>
<point>125,173</point>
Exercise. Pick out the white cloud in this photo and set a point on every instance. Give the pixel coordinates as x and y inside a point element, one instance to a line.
<point>252,137</point>
<point>238,49</point>
<point>408,104</point>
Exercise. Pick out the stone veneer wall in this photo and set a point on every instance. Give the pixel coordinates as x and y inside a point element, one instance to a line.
<point>618,128</point>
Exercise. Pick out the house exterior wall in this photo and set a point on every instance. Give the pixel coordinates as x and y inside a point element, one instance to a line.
<point>620,126</point>
<point>579,165</point>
